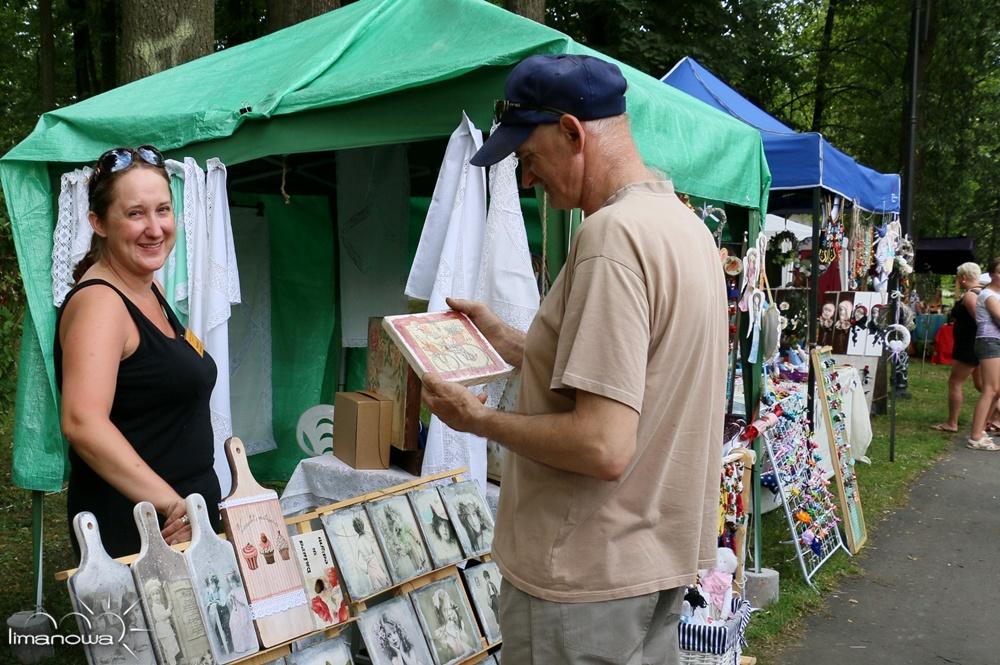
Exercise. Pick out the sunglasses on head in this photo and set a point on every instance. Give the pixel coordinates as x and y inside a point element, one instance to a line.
<point>119,159</point>
<point>503,105</point>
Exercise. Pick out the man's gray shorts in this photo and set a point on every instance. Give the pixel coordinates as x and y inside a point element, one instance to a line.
<point>630,631</point>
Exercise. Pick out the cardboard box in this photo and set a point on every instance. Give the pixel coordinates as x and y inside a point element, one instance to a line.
<point>362,428</point>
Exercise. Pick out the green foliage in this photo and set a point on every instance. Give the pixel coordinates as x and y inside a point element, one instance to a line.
<point>11,313</point>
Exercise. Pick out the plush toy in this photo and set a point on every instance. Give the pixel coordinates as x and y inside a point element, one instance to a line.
<point>695,607</point>
<point>717,583</point>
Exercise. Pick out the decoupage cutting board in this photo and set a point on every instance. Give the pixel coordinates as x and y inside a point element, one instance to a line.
<point>256,528</point>
<point>218,587</point>
<point>106,603</point>
<point>167,596</point>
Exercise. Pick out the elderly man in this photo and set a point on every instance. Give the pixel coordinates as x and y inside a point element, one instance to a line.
<point>610,492</point>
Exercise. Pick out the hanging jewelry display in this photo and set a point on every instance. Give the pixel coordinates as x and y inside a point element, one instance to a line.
<point>831,241</point>
<point>802,485</point>
<point>862,244</point>
<point>889,236</point>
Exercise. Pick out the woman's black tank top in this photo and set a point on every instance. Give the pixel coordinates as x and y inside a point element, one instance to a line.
<point>161,405</point>
<point>964,332</point>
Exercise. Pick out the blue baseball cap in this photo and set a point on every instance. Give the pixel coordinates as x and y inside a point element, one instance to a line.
<point>543,88</point>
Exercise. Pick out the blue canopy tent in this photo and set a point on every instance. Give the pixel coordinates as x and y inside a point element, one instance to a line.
<point>802,165</point>
<point>798,160</point>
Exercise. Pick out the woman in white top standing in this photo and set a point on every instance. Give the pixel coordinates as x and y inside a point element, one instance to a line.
<point>988,351</point>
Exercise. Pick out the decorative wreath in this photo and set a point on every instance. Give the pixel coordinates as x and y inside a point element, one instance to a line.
<point>775,244</point>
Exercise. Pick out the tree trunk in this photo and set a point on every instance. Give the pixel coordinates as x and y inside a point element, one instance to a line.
<point>533,9</point>
<point>83,58</point>
<point>160,34</point>
<point>110,22</point>
<point>283,13</point>
<point>46,55</point>
<point>823,67</point>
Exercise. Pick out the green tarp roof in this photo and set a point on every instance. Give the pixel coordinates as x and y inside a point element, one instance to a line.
<point>371,73</point>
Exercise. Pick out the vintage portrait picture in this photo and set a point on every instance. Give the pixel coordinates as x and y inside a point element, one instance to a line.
<point>483,582</point>
<point>439,534</point>
<point>362,567</point>
<point>227,613</point>
<point>827,318</point>
<point>844,322</point>
<point>175,623</point>
<point>447,620</point>
<point>392,634</point>
<point>400,538</point>
<point>470,515</point>
<point>328,652</point>
<point>322,581</point>
<point>113,612</point>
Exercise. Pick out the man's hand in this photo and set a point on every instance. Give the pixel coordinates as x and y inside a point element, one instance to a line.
<point>453,403</point>
<point>508,342</point>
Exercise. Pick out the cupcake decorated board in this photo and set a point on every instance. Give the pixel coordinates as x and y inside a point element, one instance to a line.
<point>254,524</point>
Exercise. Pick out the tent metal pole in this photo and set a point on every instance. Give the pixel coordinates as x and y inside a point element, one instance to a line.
<point>813,298</point>
<point>36,534</point>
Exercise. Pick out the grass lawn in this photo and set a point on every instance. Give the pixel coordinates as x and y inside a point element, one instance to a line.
<point>884,486</point>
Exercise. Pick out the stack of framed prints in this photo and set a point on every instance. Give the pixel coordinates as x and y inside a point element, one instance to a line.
<point>388,561</point>
<point>405,543</point>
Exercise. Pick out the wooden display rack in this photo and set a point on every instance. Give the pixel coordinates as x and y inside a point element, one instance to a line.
<point>304,524</point>
<point>841,456</point>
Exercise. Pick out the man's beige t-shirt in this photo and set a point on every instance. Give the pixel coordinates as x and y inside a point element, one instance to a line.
<point>638,315</point>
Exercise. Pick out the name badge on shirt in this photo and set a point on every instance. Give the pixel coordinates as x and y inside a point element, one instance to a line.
<point>195,343</point>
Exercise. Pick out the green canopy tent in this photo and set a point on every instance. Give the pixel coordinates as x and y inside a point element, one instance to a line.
<point>377,72</point>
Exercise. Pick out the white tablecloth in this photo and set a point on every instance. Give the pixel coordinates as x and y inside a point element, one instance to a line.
<point>319,481</point>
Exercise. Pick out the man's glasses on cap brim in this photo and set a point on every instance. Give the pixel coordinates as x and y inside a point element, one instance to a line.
<point>503,105</point>
<point>119,159</point>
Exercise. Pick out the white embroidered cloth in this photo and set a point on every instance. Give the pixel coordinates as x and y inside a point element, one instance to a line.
<point>466,253</point>
<point>250,358</point>
<point>373,212</point>
<point>447,265</point>
<point>71,238</point>
<point>213,287</point>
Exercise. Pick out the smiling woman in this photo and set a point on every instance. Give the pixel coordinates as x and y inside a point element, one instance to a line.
<point>135,385</point>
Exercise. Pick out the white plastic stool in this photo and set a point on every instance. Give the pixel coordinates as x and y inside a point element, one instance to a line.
<point>314,432</point>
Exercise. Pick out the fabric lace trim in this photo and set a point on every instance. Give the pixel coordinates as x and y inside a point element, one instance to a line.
<point>277,604</point>
<point>71,238</point>
<point>247,500</point>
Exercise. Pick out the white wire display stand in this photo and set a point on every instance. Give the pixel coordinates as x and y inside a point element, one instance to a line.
<point>802,489</point>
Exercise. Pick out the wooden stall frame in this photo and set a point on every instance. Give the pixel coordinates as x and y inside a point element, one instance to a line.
<point>748,457</point>
<point>304,524</point>
<point>857,534</point>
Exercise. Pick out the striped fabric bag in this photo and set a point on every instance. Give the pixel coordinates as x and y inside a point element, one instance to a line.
<point>722,640</point>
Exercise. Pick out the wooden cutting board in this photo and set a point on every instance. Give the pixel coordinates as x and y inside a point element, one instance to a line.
<point>255,526</point>
<point>104,597</point>
<point>167,595</point>
<point>219,589</point>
